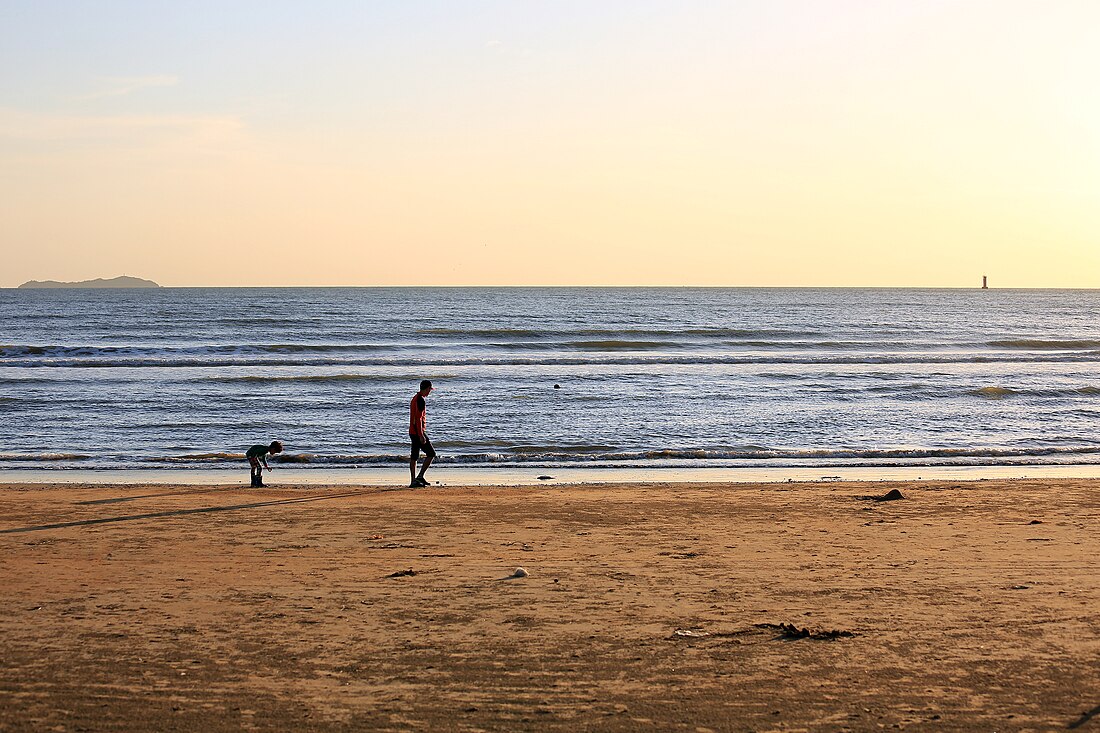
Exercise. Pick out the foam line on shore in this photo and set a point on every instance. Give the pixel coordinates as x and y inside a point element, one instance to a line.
<point>396,476</point>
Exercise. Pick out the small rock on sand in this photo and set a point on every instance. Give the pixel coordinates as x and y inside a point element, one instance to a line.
<point>519,573</point>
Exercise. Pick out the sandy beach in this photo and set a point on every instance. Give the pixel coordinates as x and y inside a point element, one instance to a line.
<point>963,606</point>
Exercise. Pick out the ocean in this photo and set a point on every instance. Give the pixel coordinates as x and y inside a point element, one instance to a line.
<point>550,377</point>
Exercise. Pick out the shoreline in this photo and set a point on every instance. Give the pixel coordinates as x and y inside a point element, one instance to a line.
<point>448,475</point>
<point>964,607</point>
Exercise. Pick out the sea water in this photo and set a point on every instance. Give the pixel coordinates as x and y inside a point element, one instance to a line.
<point>550,377</point>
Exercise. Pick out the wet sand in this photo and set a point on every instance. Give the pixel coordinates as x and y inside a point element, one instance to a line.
<point>971,606</point>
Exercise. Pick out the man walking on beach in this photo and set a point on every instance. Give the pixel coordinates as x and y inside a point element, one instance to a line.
<point>418,411</point>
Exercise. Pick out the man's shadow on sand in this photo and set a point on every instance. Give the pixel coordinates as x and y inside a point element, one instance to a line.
<point>1085,717</point>
<point>184,512</point>
<point>119,499</point>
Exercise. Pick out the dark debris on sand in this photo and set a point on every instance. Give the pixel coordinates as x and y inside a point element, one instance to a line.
<point>787,632</point>
<point>790,631</point>
<point>891,495</point>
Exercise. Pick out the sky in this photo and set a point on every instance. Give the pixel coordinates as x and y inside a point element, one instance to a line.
<point>528,142</point>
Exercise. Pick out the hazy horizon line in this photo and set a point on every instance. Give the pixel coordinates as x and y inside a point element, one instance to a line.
<point>566,287</point>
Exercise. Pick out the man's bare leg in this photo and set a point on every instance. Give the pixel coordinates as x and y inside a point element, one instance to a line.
<point>427,462</point>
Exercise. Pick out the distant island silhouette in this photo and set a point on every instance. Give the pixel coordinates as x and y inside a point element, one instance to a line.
<point>122,281</point>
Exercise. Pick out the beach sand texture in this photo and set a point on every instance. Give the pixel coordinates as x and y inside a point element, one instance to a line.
<point>973,606</point>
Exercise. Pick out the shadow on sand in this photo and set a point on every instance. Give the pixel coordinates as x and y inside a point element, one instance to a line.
<point>1085,717</point>
<point>184,512</point>
<point>119,499</point>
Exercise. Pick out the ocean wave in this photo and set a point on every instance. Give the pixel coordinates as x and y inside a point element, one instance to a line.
<point>621,345</point>
<point>199,458</point>
<point>1045,344</point>
<point>322,348</point>
<point>22,381</point>
<point>595,345</point>
<point>267,379</point>
<point>1003,392</point>
<point>872,346</point>
<point>191,458</point>
<point>483,332</point>
<point>253,321</point>
<point>292,458</point>
<point>9,351</point>
<point>628,344</point>
<point>564,450</point>
<point>993,393</point>
<point>655,359</point>
<point>609,333</point>
<point>580,454</point>
<point>43,457</point>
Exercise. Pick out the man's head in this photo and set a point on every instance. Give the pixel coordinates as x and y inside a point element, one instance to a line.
<point>426,387</point>
<point>275,447</point>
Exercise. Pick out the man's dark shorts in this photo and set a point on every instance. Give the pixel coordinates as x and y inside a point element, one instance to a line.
<point>421,445</point>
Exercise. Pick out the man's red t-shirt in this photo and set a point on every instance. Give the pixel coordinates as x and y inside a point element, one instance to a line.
<point>418,411</point>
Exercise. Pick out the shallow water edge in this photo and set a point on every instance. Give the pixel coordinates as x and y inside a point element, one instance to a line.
<point>520,476</point>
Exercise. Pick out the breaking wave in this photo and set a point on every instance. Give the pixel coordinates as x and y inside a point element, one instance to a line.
<point>43,457</point>
<point>716,332</point>
<point>20,350</point>
<point>621,345</point>
<point>993,393</point>
<point>1003,392</point>
<point>200,458</point>
<point>266,379</point>
<point>602,454</point>
<point>1043,344</point>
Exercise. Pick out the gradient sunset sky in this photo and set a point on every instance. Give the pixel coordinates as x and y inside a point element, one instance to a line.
<point>824,142</point>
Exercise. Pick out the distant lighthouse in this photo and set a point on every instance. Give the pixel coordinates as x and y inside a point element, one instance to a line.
<point>985,285</point>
